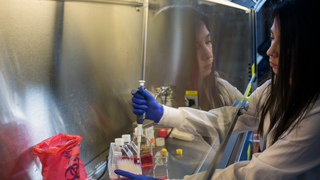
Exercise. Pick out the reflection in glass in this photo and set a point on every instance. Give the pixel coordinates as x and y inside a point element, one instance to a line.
<point>183,50</point>
<point>198,48</point>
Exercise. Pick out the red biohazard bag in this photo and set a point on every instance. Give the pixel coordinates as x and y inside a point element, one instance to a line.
<point>59,156</point>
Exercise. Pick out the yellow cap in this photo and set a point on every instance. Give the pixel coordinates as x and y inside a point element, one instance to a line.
<point>163,151</point>
<point>179,151</point>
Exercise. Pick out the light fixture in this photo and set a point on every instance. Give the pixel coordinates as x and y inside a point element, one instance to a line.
<point>228,3</point>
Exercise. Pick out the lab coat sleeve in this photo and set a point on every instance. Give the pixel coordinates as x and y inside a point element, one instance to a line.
<point>229,93</point>
<point>200,122</point>
<point>249,120</point>
<point>294,154</point>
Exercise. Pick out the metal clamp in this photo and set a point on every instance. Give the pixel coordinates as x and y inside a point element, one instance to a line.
<point>166,92</point>
<point>244,105</point>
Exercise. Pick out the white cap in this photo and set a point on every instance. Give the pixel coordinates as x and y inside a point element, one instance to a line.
<point>160,141</point>
<point>119,141</point>
<point>142,82</point>
<point>126,137</point>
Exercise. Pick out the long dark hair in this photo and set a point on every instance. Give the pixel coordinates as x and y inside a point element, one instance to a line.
<point>296,87</point>
<point>172,41</point>
<point>209,81</point>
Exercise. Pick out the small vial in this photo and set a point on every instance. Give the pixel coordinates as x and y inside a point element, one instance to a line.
<point>126,153</point>
<point>160,143</point>
<point>164,155</point>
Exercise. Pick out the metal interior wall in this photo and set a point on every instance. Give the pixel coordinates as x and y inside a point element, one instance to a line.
<point>65,67</point>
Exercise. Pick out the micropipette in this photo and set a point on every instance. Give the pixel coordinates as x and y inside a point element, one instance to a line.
<point>139,122</point>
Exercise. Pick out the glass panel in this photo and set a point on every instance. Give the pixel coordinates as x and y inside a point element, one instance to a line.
<point>198,53</point>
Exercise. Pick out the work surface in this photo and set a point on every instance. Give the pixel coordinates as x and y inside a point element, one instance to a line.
<point>196,157</point>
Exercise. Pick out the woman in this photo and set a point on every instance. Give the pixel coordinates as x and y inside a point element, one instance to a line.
<point>180,54</point>
<point>285,109</point>
<point>181,35</point>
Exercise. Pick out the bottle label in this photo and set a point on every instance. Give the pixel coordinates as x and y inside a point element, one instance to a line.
<point>150,134</point>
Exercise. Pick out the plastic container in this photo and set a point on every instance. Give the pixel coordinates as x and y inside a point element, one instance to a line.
<point>126,153</point>
<point>160,169</point>
<point>129,144</point>
<point>149,132</point>
<point>115,154</point>
<point>129,166</point>
<point>160,143</point>
<point>116,161</point>
<point>146,156</point>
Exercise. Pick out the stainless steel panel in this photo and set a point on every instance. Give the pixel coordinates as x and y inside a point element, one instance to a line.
<point>100,64</point>
<point>65,67</point>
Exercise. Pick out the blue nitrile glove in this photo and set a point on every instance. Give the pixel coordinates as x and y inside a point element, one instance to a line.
<point>144,102</point>
<point>133,176</point>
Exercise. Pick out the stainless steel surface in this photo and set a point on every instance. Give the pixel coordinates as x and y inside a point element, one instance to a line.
<point>193,153</point>
<point>65,67</point>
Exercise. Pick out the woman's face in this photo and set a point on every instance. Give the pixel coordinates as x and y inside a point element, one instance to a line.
<point>204,50</point>
<point>274,50</point>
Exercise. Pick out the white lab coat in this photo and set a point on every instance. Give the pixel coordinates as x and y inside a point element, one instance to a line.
<point>295,156</point>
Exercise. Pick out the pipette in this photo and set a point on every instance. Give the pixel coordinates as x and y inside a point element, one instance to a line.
<point>139,123</point>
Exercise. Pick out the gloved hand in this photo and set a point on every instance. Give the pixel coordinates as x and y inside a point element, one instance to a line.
<point>144,102</point>
<point>133,176</point>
